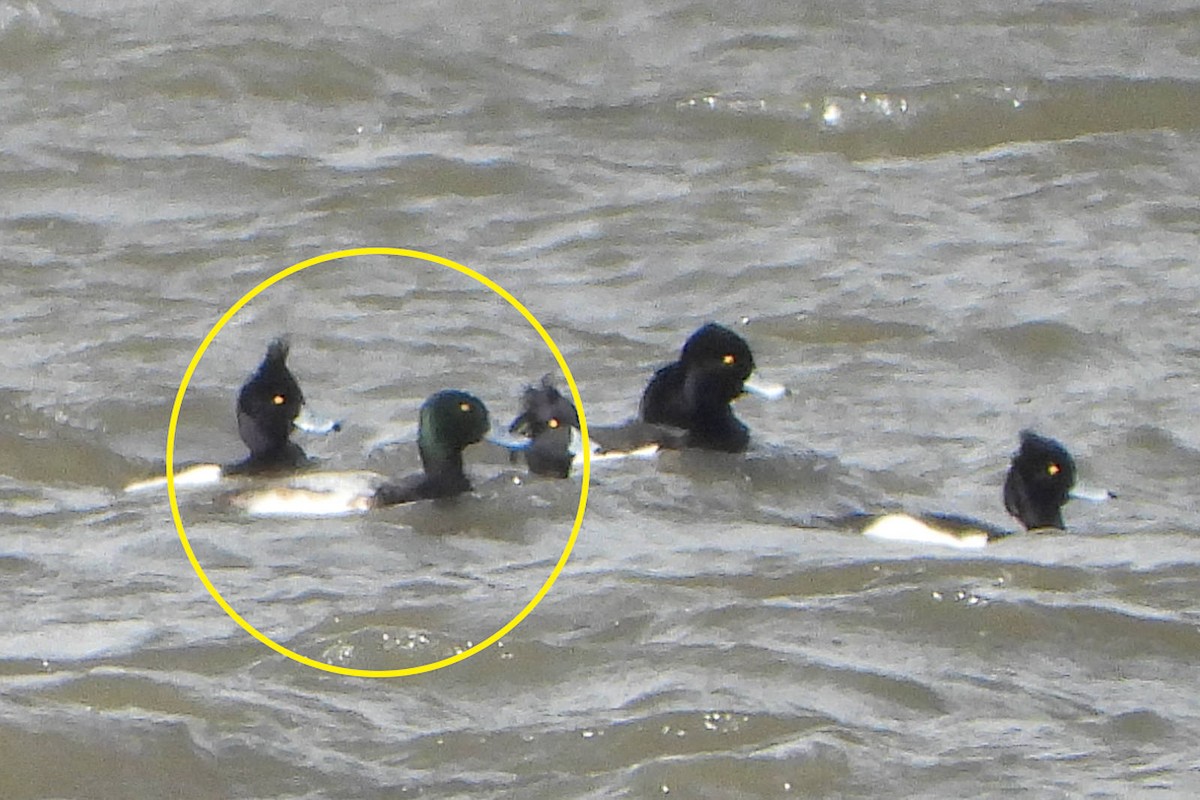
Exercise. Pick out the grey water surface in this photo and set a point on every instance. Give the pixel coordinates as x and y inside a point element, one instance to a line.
<point>937,223</point>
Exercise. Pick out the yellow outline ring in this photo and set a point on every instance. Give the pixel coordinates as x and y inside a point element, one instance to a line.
<point>583,494</point>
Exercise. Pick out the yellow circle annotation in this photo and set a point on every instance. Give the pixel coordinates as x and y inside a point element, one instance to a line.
<point>170,457</point>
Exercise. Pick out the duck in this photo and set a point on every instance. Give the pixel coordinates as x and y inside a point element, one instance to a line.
<point>547,432</point>
<point>1040,480</point>
<point>686,404</point>
<point>450,421</point>
<point>270,405</point>
<point>549,423</point>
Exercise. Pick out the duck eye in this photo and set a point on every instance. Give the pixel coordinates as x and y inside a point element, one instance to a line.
<point>278,399</point>
<point>553,423</point>
<point>1053,470</point>
<point>728,359</point>
<point>464,407</point>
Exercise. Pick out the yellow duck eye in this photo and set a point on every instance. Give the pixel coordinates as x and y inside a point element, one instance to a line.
<point>728,359</point>
<point>553,423</point>
<point>1053,470</point>
<point>278,399</point>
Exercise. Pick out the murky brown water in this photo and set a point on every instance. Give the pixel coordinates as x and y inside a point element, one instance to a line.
<point>938,225</point>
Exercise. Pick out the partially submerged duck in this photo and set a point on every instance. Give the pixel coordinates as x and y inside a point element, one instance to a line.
<point>549,423</point>
<point>450,421</point>
<point>547,432</point>
<point>687,402</point>
<point>269,406</point>
<point>1040,481</point>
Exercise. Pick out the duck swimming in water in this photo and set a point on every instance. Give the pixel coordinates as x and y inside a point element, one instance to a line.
<point>548,434</point>
<point>1040,481</point>
<point>270,405</point>
<point>687,402</point>
<point>549,422</point>
<point>450,421</point>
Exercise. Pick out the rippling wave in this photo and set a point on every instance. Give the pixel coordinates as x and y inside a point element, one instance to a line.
<point>937,226</point>
<point>928,120</point>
